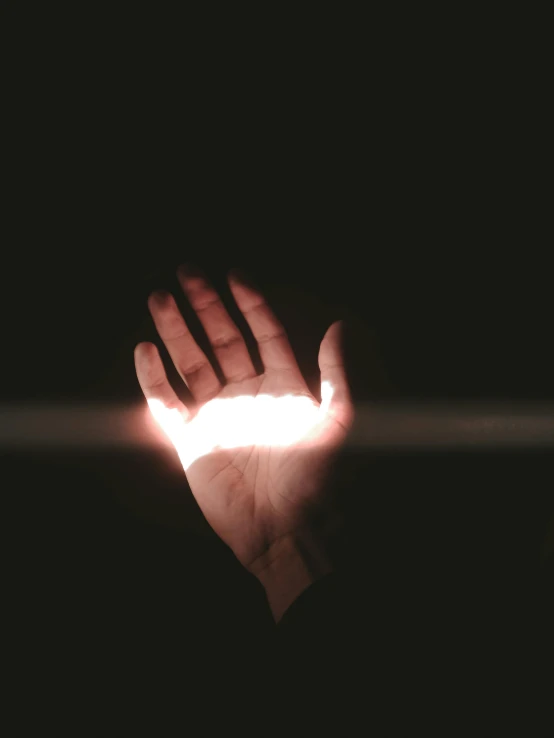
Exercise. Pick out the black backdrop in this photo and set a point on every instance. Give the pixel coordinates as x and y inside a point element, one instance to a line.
<point>402,200</point>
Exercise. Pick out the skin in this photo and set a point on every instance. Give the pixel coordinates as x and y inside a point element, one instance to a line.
<point>257,499</point>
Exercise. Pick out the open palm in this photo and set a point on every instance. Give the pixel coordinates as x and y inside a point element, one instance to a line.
<point>256,451</point>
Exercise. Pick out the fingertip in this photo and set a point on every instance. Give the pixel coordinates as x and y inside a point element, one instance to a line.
<point>191,278</point>
<point>334,337</point>
<point>145,350</point>
<point>237,275</point>
<point>187,269</point>
<point>158,298</point>
<point>337,327</point>
<point>138,350</point>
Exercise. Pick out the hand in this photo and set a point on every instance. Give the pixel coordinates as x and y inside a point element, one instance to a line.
<point>256,451</point>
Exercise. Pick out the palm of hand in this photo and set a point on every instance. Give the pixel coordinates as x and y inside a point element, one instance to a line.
<point>261,490</point>
<point>257,450</point>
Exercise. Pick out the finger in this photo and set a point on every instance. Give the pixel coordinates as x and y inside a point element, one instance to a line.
<point>166,408</point>
<point>275,350</point>
<point>153,379</point>
<point>226,339</point>
<point>335,391</point>
<point>189,359</point>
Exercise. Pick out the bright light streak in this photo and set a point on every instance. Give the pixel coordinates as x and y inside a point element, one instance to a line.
<point>390,427</point>
<point>326,395</point>
<point>237,422</point>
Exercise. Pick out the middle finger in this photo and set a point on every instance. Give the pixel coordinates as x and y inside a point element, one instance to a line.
<point>226,339</point>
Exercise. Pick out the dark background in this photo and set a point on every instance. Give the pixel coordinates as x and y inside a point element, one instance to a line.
<point>405,193</point>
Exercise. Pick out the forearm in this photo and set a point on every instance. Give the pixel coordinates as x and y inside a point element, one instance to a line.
<point>289,567</point>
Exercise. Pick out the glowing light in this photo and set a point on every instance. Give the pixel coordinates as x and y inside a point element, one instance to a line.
<point>243,421</point>
<point>391,426</point>
<point>326,395</point>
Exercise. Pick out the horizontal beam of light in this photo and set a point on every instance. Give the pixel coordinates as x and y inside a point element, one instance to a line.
<point>380,426</point>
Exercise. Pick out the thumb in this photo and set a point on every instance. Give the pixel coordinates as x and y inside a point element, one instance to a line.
<point>334,384</point>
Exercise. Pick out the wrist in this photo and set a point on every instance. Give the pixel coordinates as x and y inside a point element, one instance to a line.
<point>290,565</point>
